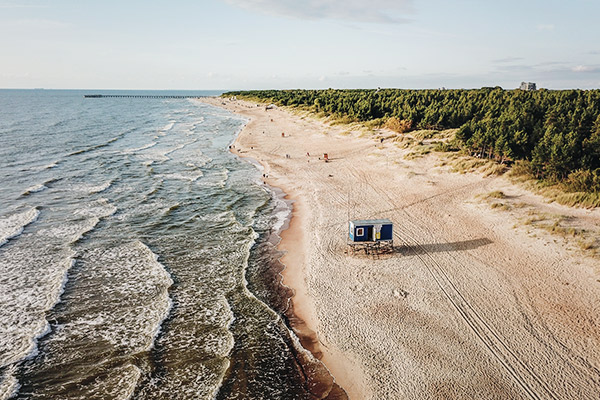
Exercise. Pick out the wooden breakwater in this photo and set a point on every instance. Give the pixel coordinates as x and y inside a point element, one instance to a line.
<point>140,96</point>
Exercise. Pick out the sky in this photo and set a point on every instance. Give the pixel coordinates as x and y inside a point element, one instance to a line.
<point>286,44</point>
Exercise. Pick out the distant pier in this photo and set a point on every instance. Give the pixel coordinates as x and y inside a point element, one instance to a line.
<point>140,96</point>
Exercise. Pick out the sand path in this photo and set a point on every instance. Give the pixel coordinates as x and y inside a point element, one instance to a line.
<point>468,306</point>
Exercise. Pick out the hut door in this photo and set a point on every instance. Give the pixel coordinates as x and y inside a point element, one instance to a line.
<point>377,232</point>
<point>370,233</point>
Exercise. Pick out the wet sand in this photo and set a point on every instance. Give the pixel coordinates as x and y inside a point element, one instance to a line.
<point>469,305</point>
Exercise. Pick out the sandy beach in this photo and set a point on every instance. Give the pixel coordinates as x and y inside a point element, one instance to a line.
<point>472,303</point>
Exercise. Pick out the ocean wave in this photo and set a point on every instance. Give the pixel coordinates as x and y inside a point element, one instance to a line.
<point>176,148</point>
<point>9,385</point>
<point>195,165</point>
<point>101,208</point>
<point>99,146</point>
<point>91,188</point>
<point>119,383</point>
<point>183,177</point>
<point>87,149</point>
<point>218,180</point>
<point>163,131</point>
<point>70,233</point>
<point>158,185</point>
<point>31,286</point>
<point>281,217</point>
<point>282,210</point>
<point>33,282</point>
<point>135,303</point>
<point>135,288</point>
<point>13,225</point>
<point>135,150</point>
<point>34,189</point>
<point>51,165</point>
<point>190,128</point>
<point>149,158</point>
<point>99,188</point>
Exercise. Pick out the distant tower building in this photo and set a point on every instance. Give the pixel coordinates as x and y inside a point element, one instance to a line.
<point>527,86</point>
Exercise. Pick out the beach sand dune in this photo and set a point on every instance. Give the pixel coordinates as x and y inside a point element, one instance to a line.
<point>467,306</point>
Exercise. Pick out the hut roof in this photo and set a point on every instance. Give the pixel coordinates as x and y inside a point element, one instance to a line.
<point>371,222</point>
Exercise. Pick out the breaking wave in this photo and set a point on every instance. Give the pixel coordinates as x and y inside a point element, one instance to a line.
<point>13,225</point>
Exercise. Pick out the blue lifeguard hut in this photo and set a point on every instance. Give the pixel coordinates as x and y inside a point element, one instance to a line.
<point>371,234</point>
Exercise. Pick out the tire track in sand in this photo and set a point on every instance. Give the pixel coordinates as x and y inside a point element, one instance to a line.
<point>520,372</point>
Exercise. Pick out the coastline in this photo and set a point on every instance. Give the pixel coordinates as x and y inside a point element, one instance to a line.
<point>289,240</point>
<point>402,325</point>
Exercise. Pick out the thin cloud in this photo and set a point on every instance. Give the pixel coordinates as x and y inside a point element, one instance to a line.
<point>507,60</point>
<point>586,68</point>
<point>35,24</point>
<point>12,5</point>
<point>545,27</point>
<point>520,67</point>
<point>376,11</point>
<point>550,63</point>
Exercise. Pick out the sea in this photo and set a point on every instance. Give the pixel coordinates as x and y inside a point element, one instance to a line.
<point>138,255</point>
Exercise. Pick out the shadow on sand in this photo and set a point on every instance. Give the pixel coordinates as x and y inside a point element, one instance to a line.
<point>441,247</point>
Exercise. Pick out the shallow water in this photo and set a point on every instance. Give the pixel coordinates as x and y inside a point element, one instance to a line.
<point>136,255</point>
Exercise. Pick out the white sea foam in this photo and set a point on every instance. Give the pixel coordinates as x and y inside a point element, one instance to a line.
<point>70,233</point>
<point>100,188</point>
<point>216,179</point>
<point>135,150</point>
<point>45,167</point>
<point>91,188</point>
<point>51,165</point>
<point>169,126</point>
<point>190,129</point>
<point>195,165</point>
<point>280,219</point>
<point>35,189</point>
<point>119,384</point>
<point>176,148</point>
<point>30,286</point>
<point>32,281</point>
<point>191,177</point>
<point>9,385</point>
<point>13,225</point>
<point>101,208</point>
<point>151,157</point>
<point>135,288</point>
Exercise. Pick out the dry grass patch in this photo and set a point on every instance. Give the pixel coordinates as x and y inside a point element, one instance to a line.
<point>559,225</point>
<point>587,244</point>
<point>419,151</point>
<point>520,204</point>
<point>521,172</point>
<point>463,164</point>
<point>502,206</point>
<point>397,125</point>
<point>496,194</point>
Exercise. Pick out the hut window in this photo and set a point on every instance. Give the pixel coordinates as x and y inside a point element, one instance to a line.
<point>360,231</point>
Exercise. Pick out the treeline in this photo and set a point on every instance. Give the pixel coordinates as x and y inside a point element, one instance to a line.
<point>556,133</point>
